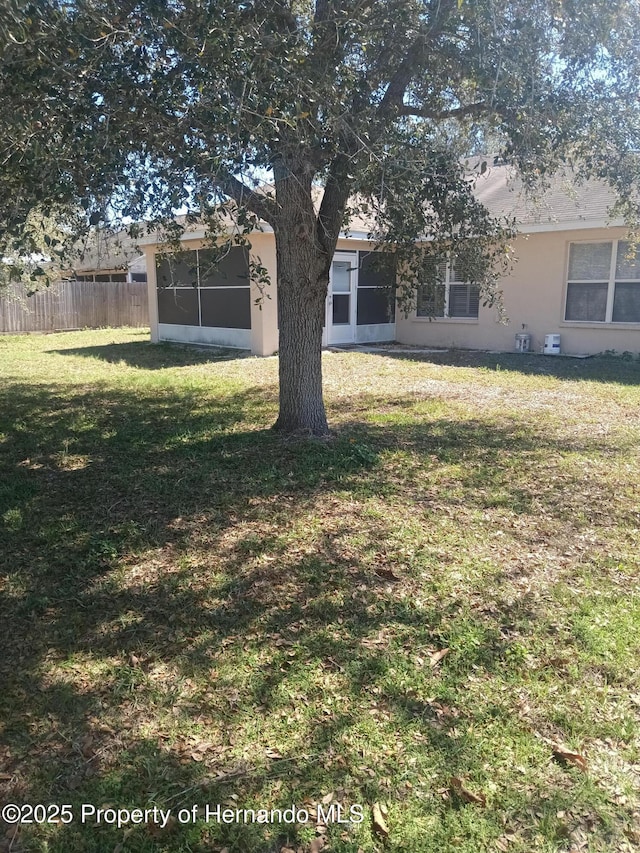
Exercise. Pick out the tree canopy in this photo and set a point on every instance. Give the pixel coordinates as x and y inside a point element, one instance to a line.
<point>135,109</point>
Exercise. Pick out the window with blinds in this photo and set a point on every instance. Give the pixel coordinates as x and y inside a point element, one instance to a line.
<point>448,295</point>
<point>603,283</point>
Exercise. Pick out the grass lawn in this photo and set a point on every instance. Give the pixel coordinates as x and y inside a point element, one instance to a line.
<point>433,619</point>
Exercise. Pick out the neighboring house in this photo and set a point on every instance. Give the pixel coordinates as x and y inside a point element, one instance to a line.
<point>106,288</point>
<point>110,258</point>
<point>573,277</point>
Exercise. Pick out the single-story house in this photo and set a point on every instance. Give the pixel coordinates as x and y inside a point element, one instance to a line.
<point>573,277</point>
<point>109,257</point>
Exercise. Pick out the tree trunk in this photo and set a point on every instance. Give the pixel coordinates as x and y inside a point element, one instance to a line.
<point>304,251</point>
<point>303,276</point>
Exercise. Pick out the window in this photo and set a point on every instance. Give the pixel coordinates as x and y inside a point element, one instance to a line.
<point>626,294</point>
<point>603,283</point>
<point>101,277</point>
<point>376,288</point>
<point>111,277</point>
<point>197,288</point>
<point>449,296</point>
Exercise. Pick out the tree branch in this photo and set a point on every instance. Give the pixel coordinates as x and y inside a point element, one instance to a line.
<point>476,109</point>
<point>323,8</point>
<point>336,193</point>
<point>263,206</point>
<point>394,96</point>
<point>278,11</point>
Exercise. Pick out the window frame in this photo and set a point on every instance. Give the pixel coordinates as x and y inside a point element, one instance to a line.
<point>202,289</point>
<point>447,282</point>
<point>611,283</point>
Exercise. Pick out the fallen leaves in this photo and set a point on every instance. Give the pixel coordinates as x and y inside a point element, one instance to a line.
<point>568,756</point>
<point>378,814</point>
<point>458,787</point>
<point>274,754</point>
<point>387,574</point>
<point>158,832</point>
<point>437,656</point>
<point>86,746</point>
<point>381,639</point>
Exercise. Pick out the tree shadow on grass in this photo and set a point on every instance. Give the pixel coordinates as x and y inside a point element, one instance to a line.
<point>148,356</point>
<point>597,368</point>
<point>188,597</point>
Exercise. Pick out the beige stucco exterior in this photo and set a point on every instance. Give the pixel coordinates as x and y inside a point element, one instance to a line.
<point>264,322</point>
<point>534,298</point>
<point>262,338</point>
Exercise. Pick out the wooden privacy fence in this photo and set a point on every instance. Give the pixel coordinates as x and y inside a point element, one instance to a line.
<point>74,305</point>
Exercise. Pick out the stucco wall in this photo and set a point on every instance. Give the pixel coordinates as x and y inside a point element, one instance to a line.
<point>264,306</point>
<point>261,338</point>
<point>534,296</point>
<point>265,319</point>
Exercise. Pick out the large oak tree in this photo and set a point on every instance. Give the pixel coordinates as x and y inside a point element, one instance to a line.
<point>117,108</point>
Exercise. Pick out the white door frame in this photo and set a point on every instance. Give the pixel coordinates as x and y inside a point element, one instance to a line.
<point>343,333</point>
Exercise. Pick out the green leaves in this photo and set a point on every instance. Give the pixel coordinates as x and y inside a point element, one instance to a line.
<point>145,111</point>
